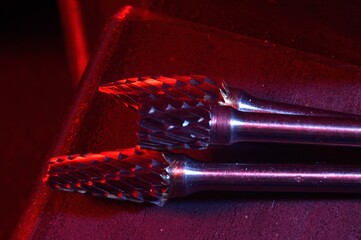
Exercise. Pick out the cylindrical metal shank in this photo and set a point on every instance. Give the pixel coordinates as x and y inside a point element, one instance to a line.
<point>242,101</point>
<point>229,126</point>
<point>188,176</point>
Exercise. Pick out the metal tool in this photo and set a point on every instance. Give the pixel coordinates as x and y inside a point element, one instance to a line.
<point>154,177</point>
<point>193,112</point>
<point>134,91</point>
<point>167,123</point>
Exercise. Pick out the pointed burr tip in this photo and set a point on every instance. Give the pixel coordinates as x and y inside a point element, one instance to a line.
<point>133,92</point>
<point>130,174</point>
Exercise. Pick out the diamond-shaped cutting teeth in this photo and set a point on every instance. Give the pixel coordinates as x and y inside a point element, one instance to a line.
<point>130,174</point>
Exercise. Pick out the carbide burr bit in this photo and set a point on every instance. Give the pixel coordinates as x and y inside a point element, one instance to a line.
<point>150,176</point>
<point>134,91</point>
<point>167,123</point>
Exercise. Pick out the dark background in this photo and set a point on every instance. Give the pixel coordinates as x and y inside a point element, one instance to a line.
<point>35,93</point>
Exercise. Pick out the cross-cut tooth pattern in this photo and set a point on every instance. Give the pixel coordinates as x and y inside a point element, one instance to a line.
<point>133,92</point>
<point>130,174</point>
<point>166,123</point>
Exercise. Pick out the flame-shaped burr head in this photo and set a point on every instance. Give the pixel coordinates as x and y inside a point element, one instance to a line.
<point>133,92</point>
<point>129,174</point>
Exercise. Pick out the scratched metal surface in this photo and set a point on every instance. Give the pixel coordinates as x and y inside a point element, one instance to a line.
<point>145,43</point>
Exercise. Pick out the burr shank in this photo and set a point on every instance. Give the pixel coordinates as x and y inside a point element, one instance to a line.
<point>135,91</point>
<point>141,175</point>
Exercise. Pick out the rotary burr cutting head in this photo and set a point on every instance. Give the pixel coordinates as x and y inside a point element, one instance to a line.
<point>174,111</point>
<point>129,174</point>
<point>133,92</point>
